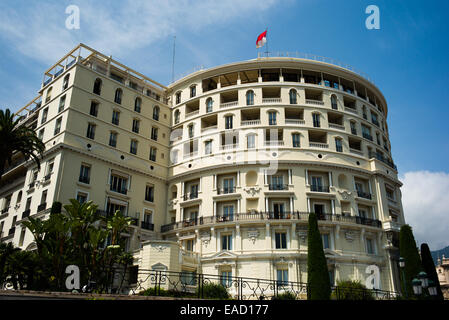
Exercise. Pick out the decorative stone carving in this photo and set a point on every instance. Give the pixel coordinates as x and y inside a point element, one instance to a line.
<point>252,190</point>
<point>350,235</point>
<point>205,238</point>
<point>173,202</point>
<point>159,247</point>
<point>253,234</point>
<point>302,234</point>
<point>345,194</point>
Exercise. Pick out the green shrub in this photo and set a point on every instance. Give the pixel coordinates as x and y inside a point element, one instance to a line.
<point>285,296</point>
<point>351,290</point>
<point>214,291</point>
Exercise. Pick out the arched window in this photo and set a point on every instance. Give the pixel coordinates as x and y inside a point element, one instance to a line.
<point>65,83</point>
<point>177,114</point>
<point>137,104</point>
<point>293,95</point>
<point>156,113</point>
<point>97,86</point>
<point>19,197</point>
<point>334,102</point>
<point>48,98</point>
<point>118,96</point>
<point>338,145</point>
<point>209,105</point>
<point>250,98</point>
<point>178,97</point>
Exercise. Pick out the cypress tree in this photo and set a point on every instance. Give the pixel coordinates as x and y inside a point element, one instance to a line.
<point>409,251</point>
<point>429,268</point>
<point>318,282</point>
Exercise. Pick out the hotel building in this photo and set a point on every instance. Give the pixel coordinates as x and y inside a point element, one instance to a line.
<point>220,169</point>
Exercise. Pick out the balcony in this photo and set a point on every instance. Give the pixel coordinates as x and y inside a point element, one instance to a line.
<point>351,109</point>
<point>26,213</point>
<point>229,104</point>
<point>147,225</point>
<point>336,126</point>
<point>362,194</point>
<point>31,185</point>
<point>366,135</point>
<point>190,155</point>
<point>228,190</point>
<point>229,146</point>
<point>263,216</point>
<point>318,188</point>
<point>354,131</point>
<point>383,159</point>
<point>278,187</point>
<point>42,207</point>
<point>356,151</point>
<point>274,143</point>
<point>192,113</point>
<point>315,102</point>
<point>190,196</point>
<point>246,123</point>
<point>271,100</point>
<point>84,179</point>
<point>122,190</point>
<point>318,145</point>
<point>11,231</point>
<point>295,122</point>
<point>5,210</point>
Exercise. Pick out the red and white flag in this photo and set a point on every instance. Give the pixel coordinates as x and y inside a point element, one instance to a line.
<point>261,39</point>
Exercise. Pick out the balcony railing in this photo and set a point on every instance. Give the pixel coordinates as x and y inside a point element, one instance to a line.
<point>295,121</point>
<point>190,155</point>
<point>42,207</point>
<point>226,190</point>
<point>190,196</point>
<point>383,159</point>
<point>193,113</point>
<point>363,194</point>
<point>119,190</point>
<point>318,188</point>
<point>277,186</point>
<point>336,126</point>
<point>245,123</point>
<point>350,109</point>
<point>354,131</point>
<point>31,185</point>
<point>271,100</point>
<point>229,104</point>
<point>274,143</point>
<point>318,145</point>
<point>5,210</point>
<point>84,179</point>
<point>229,146</point>
<point>316,102</point>
<point>147,225</point>
<point>367,136</point>
<point>258,216</point>
<point>359,152</point>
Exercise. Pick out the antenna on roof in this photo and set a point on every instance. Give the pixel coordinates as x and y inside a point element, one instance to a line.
<point>173,63</point>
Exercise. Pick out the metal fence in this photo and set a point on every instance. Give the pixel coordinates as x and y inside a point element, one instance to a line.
<point>192,285</point>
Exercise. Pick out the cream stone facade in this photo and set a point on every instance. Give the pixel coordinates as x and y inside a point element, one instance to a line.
<point>219,169</point>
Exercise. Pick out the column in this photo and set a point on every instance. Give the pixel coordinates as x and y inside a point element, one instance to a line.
<point>267,236</point>
<point>215,213</point>
<point>238,179</point>
<point>308,204</point>
<point>265,177</point>
<point>333,206</point>
<point>215,182</point>
<point>330,179</point>
<point>291,205</point>
<point>238,238</point>
<point>266,205</point>
<point>290,176</point>
<point>307,176</point>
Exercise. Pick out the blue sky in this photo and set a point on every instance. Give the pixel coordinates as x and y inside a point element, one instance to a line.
<point>406,58</point>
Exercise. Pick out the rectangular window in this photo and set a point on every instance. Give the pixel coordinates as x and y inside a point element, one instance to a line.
<point>228,212</point>
<point>41,134</point>
<point>338,145</point>
<point>281,240</point>
<point>369,246</point>
<point>133,147</point>
<point>226,242</point>
<point>208,147</point>
<point>93,108</point>
<point>228,185</point>
<point>154,133</point>
<point>325,239</point>
<point>228,122</point>
<point>153,152</point>
<point>251,141</point>
<point>22,236</point>
<point>191,131</point>
<point>58,126</point>
<point>316,120</point>
<point>136,125</point>
<point>272,118</point>
<point>81,197</point>
<point>189,245</point>
<point>149,193</point>
<point>90,131</point>
<point>282,277</point>
<point>84,174</point>
<point>115,117</point>
<point>61,103</point>
<point>119,184</point>
<point>113,139</point>
<point>192,91</point>
<point>44,115</point>
<point>295,138</point>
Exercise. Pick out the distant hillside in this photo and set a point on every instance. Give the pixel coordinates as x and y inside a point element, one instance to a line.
<point>439,253</point>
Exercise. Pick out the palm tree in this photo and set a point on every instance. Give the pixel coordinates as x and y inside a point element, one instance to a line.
<point>15,138</point>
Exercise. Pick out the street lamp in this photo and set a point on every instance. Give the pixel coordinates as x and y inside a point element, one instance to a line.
<point>417,287</point>
<point>402,266</point>
<point>432,288</point>
<point>424,281</point>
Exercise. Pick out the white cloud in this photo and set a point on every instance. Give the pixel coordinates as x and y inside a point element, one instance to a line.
<point>38,30</point>
<point>425,198</point>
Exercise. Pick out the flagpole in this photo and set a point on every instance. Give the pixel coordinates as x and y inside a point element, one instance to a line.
<point>266,42</point>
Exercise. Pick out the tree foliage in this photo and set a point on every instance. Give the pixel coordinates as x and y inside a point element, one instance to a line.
<point>78,236</point>
<point>409,251</point>
<point>429,268</point>
<point>318,282</point>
